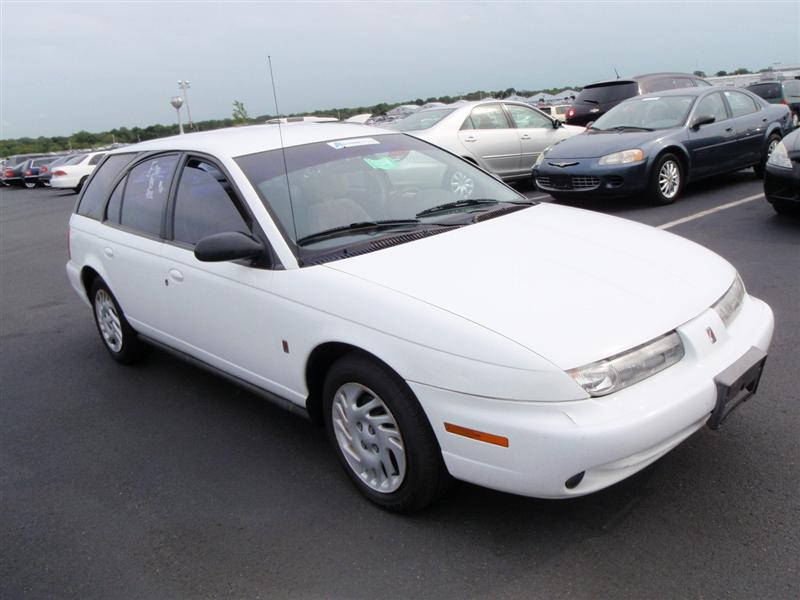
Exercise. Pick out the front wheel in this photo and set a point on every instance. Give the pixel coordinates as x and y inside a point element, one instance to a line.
<point>381,435</point>
<point>666,181</point>
<point>773,141</point>
<point>119,338</point>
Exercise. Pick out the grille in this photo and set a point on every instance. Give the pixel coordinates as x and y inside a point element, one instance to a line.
<point>567,182</point>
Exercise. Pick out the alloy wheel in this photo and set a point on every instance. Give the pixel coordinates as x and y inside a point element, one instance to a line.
<point>108,320</point>
<point>369,438</point>
<point>462,185</point>
<point>669,179</point>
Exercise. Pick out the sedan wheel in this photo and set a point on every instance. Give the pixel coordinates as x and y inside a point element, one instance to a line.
<point>381,435</point>
<point>30,185</point>
<point>461,184</point>
<point>369,438</point>
<point>795,120</point>
<point>108,320</point>
<point>667,180</point>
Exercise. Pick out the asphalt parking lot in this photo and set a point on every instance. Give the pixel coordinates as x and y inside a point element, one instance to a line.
<point>163,481</point>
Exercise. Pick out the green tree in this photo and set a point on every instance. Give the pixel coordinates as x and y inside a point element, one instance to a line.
<point>741,71</point>
<point>721,73</point>
<point>240,115</point>
<point>699,73</point>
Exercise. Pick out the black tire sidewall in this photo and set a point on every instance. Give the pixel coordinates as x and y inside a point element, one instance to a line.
<point>425,472</point>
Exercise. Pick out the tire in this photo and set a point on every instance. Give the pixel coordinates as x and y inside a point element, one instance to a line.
<point>118,337</point>
<point>30,184</point>
<point>381,435</point>
<point>795,120</point>
<point>666,180</point>
<point>772,141</point>
<point>786,208</point>
<point>80,184</point>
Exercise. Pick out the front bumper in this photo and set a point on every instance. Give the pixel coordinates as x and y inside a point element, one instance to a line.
<point>783,185</point>
<point>607,438</point>
<point>589,178</point>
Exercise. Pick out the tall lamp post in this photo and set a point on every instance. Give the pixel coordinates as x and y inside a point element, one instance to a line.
<point>177,102</point>
<point>185,85</point>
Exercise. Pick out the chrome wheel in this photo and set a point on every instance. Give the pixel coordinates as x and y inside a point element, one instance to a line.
<point>669,179</point>
<point>795,120</point>
<point>108,320</point>
<point>30,185</point>
<point>773,142</point>
<point>369,438</point>
<point>462,185</point>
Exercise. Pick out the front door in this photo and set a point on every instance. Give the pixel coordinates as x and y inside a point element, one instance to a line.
<point>712,147</point>
<point>487,134</point>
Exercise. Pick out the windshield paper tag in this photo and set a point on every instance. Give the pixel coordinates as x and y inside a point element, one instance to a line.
<point>338,145</point>
<point>383,162</point>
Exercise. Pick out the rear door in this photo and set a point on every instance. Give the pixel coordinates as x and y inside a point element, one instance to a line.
<point>487,134</point>
<point>712,147</point>
<point>751,124</point>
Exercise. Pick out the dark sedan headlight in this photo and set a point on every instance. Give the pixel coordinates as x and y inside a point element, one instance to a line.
<point>611,374</point>
<point>623,158</point>
<point>779,157</point>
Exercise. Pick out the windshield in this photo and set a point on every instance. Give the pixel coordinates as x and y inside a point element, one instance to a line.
<point>421,120</point>
<point>651,112</point>
<point>367,187</point>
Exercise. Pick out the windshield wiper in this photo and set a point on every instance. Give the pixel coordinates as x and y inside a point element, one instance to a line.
<point>355,227</point>
<point>629,128</point>
<point>457,204</point>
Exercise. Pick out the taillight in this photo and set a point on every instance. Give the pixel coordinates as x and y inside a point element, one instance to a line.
<point>42,170</point>
<point>783,101</point>
<point>59,172</point>
<point>29,172</point>
<point>570,113</point>
<point>9,173</point>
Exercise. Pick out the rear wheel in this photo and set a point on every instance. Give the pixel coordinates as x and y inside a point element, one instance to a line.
<point>80,184</point>
<point>119,338</point>
<point>30,184</point>
<point>771,143</point>
<point>666,180</point>
<point>381,435</point>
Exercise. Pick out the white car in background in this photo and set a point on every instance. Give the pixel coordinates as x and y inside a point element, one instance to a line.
<point>504,138</point>
<point>556,111</point>
<point>74,173</point>
<point>531,348</point>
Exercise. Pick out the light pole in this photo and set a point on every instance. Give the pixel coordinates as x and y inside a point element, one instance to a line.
<point>177,102</point>
<point>185,85</point>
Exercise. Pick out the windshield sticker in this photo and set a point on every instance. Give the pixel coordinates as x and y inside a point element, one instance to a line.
<point>383,162</point>
<point>338,145</point>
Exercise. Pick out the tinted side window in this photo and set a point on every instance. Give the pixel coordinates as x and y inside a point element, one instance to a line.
<point>489,116</point>
<point>205,204</point>
<point>96,159</point>
<point>527,118</point>
<point>740,104</point>
<point>712,105</point>
<point>146,194</point>
<point>94,198</point>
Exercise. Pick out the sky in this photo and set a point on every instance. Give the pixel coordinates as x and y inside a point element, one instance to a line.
<point>70,66</point>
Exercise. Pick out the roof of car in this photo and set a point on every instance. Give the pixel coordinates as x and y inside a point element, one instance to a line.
<point>690,91</point>
<point>638,78</point>
<point>239,141</point>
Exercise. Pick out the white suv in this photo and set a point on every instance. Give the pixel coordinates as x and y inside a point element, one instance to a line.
<point>74,173</point>
<point>331,268</point>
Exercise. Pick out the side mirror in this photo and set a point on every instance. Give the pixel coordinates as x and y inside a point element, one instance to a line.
<point>557,124</point>
<point>703,120</point>
<point>231,245</point>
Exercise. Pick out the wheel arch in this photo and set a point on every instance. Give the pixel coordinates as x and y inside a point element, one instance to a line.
<point>682,155</point>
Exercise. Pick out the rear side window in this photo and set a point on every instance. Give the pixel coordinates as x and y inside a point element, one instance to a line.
<point>96,159</point>
<point>768,91</point>
<point>146,194</point>
<point>205,204</point>
<point>792,87</point>
<point>94,198</point>
<point>741,104</point>
<point>609,92</point>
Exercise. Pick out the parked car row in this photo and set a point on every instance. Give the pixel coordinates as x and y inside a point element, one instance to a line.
<point>60,172</point>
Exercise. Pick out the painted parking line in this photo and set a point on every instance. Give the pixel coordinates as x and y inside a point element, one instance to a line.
<point>710,211</point>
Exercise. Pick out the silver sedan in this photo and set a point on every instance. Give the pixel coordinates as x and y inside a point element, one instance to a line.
<point>504,138</point>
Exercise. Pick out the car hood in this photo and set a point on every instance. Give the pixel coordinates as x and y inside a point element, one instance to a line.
<point>594,145</point>
<point>571,285</point>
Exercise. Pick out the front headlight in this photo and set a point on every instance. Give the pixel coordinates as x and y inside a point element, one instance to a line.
<point>779,157</point>
<point>731,301</point>
<point>623,158</point>
<point>616,372</point>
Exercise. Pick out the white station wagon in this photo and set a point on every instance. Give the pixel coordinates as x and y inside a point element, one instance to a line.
<point>531,348</point>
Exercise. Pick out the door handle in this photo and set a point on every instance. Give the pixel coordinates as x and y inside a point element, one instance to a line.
<point>729,129</point>
<point>470,139</point>
<point>525,137</point>
<point>109,252</point>
<point>176,275</point>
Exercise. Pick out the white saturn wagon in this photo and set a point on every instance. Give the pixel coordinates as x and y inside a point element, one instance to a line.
<point>332,268</point>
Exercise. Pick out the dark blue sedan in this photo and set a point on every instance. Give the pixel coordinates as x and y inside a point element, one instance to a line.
<point>657,143</point>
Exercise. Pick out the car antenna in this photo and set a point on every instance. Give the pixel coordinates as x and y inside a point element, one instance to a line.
<point>615,72</point>
<point>283,148</point>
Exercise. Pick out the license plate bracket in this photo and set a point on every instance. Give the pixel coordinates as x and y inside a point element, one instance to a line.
<point>736,384</point>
